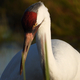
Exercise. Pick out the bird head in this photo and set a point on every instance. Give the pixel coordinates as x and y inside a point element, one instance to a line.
<point>32,19</point>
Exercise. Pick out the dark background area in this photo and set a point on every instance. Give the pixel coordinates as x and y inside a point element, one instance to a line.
<point>65,18</point>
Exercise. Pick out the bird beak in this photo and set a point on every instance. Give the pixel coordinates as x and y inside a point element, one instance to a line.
<point>27,42</point>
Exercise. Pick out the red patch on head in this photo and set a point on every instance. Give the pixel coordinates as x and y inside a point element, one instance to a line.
<point>28,20</point>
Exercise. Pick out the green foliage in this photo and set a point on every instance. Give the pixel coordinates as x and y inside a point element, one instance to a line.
<point>46,62</point>
<point>23,64</point>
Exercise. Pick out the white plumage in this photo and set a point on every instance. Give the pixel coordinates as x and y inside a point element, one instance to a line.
<point>64,60</point>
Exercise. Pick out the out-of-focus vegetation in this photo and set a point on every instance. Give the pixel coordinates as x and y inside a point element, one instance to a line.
<point>65,18</point>
<point>47,77</point>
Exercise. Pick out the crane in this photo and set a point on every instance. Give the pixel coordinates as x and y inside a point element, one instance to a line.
<point>63,59</point>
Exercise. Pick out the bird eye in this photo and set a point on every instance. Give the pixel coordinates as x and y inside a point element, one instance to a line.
<point>34,25</point>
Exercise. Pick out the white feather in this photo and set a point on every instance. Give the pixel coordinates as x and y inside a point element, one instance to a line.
<point>64,60</point>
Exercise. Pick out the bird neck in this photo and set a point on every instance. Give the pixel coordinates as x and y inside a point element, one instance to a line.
<point>42,33</point>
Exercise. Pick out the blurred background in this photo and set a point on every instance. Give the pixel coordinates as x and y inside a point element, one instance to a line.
<point>65,18</point>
